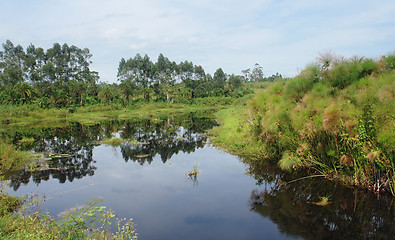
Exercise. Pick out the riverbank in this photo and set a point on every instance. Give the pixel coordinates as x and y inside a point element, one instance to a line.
<point>27,114</point>
<point>336,122</point>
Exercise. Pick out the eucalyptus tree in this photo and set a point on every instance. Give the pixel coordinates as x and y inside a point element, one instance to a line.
<point>11,68</point>
<point>246,75</point>
<point>165,76</point>
<point>48,71</point>
<point>234,82</point>
<point>219,78</point>
<point>257,73</point>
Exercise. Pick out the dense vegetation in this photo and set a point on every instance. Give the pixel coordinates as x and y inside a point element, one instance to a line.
<point>335,119</point>
<point>61,77</point>
<point>58,84</point>
<point>89,222</point>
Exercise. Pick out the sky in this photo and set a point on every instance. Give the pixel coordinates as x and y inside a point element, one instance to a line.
<point>280,35</point>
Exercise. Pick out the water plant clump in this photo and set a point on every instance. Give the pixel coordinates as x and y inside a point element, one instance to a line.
<point>194,172</point>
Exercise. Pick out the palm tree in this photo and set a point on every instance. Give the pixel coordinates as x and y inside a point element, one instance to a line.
<point>23,91</point>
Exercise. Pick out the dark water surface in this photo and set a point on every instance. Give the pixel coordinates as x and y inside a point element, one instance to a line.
<point>148,182</point>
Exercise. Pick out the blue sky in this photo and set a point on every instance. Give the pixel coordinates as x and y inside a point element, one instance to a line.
<point>282,36</point>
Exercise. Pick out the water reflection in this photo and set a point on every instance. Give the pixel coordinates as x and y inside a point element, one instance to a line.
<point>350,214</point>
<point>164,137</point>
<point>162,141</point>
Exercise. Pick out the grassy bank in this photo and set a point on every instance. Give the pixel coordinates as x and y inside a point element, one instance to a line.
<point>335,120</point>
<point>12,158</point>
<point>231,135</point>
<point>26,114</point>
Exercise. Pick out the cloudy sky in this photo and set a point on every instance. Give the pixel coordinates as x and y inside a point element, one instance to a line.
<point>281,35</point>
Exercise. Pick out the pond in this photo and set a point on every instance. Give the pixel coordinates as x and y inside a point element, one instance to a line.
<point>145,178</point>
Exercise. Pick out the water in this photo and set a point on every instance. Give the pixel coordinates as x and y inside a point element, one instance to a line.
<point>148,182</point>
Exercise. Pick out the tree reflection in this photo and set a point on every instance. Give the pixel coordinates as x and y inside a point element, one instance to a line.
<point>164,137</point>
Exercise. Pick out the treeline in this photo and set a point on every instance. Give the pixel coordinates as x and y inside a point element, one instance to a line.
<point>58,76</point>
<point>168,80</point>
<point>165,80</point>
<point>61,77</point>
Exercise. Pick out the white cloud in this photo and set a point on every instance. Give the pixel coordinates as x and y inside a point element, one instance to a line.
<point>280,35</point>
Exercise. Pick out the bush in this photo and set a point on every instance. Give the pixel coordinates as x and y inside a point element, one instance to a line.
<point>336,121</point>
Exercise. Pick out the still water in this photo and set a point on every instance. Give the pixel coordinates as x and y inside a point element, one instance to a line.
<point>145,179</point>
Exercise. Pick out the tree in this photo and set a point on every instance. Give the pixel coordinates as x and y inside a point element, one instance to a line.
<point>234,82</point>
<point>257,73</point>
<point>246,75</point>
<point>23,91</point>
<point>219,78</point>
<point>106,94</point>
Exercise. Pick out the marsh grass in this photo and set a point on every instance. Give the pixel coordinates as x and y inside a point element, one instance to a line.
<point>231,135</point>
<point>11,157</point>
<point>26,114</point>
<point>335,120</point>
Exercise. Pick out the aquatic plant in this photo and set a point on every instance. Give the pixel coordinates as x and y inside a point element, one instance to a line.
<point>194,172</point>
<point>324,201</point>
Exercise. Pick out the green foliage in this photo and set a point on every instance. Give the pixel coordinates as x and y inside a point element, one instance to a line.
<point>334,119</point>
<point>10,157</point>
<point>289,161</point>
<point>87,222</point>
<point>8,203</point>
<point>389,61</point>
<point>233,135</point>
<point>59,76</point>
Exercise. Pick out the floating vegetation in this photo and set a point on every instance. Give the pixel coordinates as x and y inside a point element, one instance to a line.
<point>134,142</point>
<point>194,172</point>
<point>119,141</point>
<point>324,201</point>
<point>113,141</point>
<point>26,141</point>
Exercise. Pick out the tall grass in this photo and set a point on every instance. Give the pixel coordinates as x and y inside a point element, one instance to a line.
<point>10,157</point>
<point>335,119</point>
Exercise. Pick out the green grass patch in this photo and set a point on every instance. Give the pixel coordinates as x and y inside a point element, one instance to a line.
<point>113,141</point>
<point>11,158</point>
<point>21,115</point>
<point>230,135</point>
